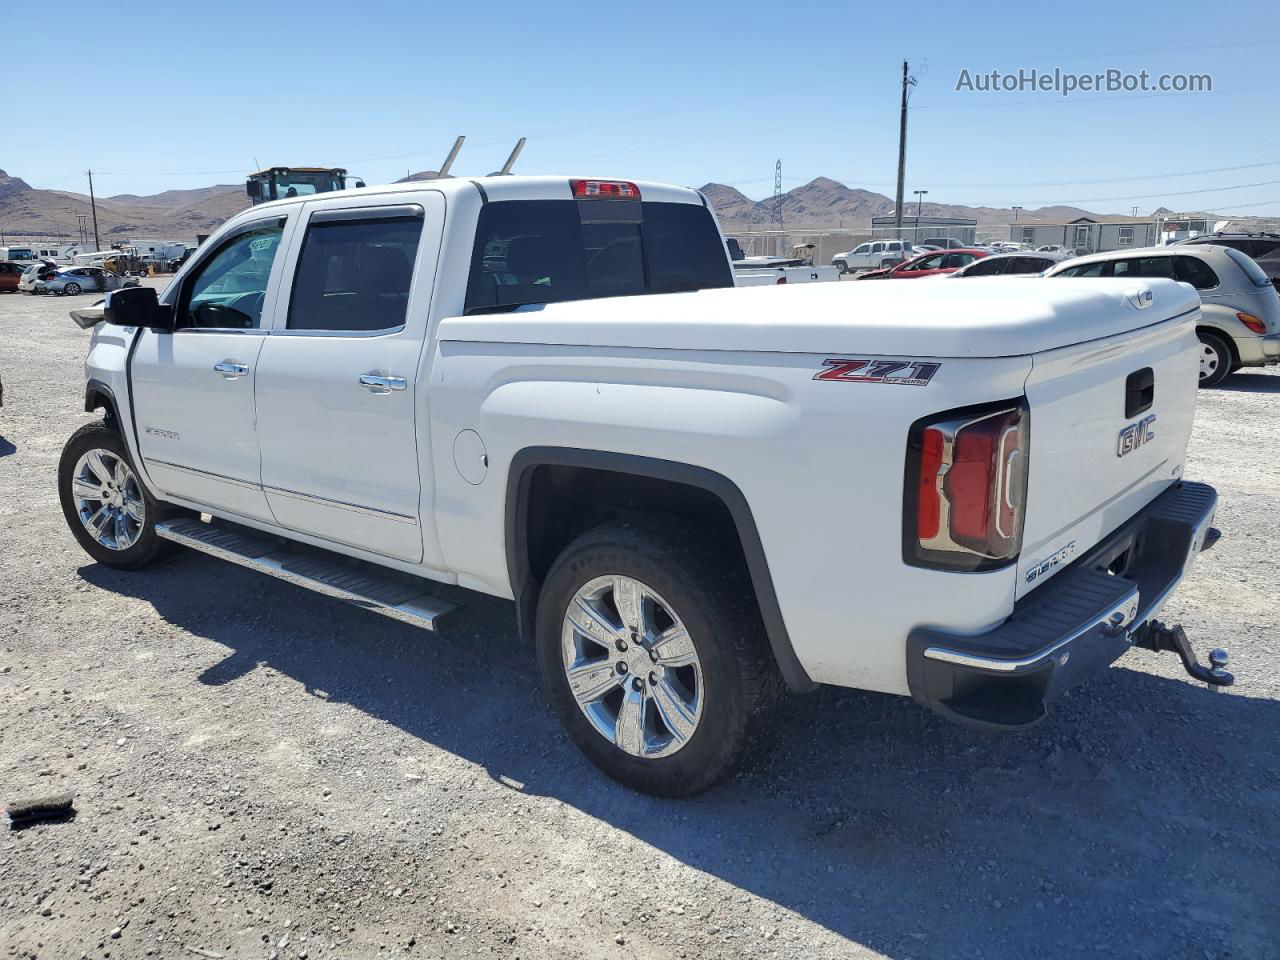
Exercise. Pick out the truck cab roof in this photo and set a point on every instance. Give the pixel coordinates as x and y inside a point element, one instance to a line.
<point>500,188</point>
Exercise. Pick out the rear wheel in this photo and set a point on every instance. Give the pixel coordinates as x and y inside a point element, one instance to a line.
<point>1215,359</point>
<point>886,264</point>
<point>106,506</point>
<point>653,656</point>
<point>71,289</point>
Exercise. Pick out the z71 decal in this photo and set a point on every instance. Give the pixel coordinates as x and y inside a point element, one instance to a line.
<point>912,373</point>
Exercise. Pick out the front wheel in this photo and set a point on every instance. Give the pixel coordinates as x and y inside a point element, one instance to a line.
<point>109,511</point>
<point>1215,359</point>
<point>71,289</point>
<point>653,656</point>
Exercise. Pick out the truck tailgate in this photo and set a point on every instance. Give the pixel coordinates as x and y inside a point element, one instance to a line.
<point>1101,448</point>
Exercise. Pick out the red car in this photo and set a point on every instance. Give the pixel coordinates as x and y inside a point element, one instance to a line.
<point>933,264</point>
<point>10,274</point>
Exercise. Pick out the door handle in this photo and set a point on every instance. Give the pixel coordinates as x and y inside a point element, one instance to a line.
<point>380,385</point>
<point>230,369</point>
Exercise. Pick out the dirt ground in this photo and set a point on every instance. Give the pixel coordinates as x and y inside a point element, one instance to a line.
<point>262,772</point>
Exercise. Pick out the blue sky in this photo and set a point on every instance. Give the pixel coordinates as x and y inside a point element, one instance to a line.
<point>683,92</point>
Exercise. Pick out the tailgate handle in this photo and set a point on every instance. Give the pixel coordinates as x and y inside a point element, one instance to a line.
<point>1139,392</point>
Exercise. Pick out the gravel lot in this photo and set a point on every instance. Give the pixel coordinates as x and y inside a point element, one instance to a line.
<point>262,772</point>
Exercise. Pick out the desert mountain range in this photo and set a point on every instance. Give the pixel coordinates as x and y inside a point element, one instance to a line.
<point>821,204</point>
<point>171,215</point>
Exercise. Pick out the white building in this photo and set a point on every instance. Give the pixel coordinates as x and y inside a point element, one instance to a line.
<point>1101,234</point>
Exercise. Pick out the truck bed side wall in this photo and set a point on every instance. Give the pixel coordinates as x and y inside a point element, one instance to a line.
<point>819,463</point>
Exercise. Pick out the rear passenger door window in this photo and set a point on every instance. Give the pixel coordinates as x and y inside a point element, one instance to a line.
<point>355,269</point>
<point>1144,267</point>
<point>1195,271</point>
<point>987,268</point>
<point>1030,265</point>
<point>1100,268</point>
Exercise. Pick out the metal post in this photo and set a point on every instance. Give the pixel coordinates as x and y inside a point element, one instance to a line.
<point>902,151</point>
<point>97,244</point>
<point>511,160</point>
<point>919,206</point>
<point>448,161</point>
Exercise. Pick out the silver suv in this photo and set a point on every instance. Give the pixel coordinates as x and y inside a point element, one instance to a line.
<point>1240,309</point>
<point>873,255</point>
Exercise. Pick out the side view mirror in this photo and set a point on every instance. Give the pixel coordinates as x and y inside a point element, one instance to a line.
<point>137,307</point>
<point>253,188</point>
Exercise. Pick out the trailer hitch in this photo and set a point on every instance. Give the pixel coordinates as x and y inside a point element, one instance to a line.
<point>1154,635</point>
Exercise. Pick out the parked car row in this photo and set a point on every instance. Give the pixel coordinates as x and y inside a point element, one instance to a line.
<point>1239,305</point>
<point>1239,300</point>
<point>883,254</point>
<point>48,278</point>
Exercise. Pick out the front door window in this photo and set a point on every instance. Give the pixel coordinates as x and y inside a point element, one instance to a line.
<point>229,289</point>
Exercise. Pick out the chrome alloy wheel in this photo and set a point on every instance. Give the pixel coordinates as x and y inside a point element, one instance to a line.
<point>632,666</point>
<point>1208,361</point>
<point>108,499</point>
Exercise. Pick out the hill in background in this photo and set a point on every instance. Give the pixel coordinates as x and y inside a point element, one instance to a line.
<point>825,204</point>
<point>821,204</point>
<point>173,214</point>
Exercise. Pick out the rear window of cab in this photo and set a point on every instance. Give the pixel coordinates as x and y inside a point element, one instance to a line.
<point>550,251</point>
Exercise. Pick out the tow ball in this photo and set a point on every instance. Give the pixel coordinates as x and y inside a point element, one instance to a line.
<point>1154,635</point>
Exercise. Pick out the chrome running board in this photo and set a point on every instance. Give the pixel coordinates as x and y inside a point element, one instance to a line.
<point>391,594</point>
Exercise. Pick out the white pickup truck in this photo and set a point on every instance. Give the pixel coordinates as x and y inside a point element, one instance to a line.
<point>769,271</point>
<point>971,494</point>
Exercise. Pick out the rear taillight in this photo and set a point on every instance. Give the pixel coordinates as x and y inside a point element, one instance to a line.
<point>604,190</point>
<point>1253,323</point>
<point>966,487</point>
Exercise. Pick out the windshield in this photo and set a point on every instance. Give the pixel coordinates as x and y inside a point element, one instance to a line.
<point>295,184</point>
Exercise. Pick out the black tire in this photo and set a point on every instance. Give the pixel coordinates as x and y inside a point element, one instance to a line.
<point>841,266</point>
<point>712,595</point>
<point>886,264</point>
<point>1222,361</point>
<point>71,289</point>
<point>148,547</point>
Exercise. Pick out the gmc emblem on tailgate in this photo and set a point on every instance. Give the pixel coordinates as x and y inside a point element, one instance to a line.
<point>1135,435</point>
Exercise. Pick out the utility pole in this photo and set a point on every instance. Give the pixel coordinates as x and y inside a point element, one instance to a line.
<point>907,82</point>
<point>777,194</point>
<point>97,244</point>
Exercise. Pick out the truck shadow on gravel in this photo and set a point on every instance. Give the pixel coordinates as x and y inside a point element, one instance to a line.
<point>1251,383</point>
<point>1140,820</point>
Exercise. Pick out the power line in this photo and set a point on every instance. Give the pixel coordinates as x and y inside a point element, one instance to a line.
<point>1037,183</point>
<point>982,103</point>
<point>1156,196</point>
<point>1095,52</point>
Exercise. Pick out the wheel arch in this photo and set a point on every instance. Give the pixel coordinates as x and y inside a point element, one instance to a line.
<point>1224,336</point>
<point>99,396</point>
<point>526,548</point>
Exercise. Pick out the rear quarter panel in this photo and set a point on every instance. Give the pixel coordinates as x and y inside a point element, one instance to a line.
<point>820,463</point>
